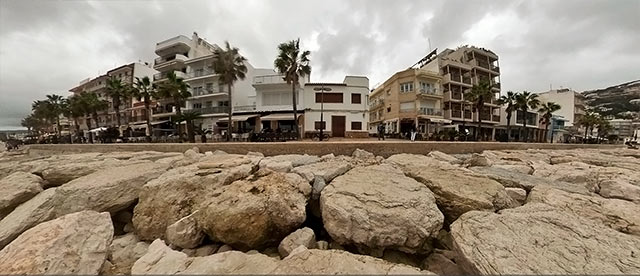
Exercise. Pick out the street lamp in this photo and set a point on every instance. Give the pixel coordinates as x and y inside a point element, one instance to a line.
<point>321,89</point>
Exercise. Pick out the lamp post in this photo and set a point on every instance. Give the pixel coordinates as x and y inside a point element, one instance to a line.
<point>321,89</point>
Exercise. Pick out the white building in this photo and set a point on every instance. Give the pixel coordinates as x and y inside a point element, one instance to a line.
<point>571,103</point>
<point>273,99</point>
<point>345,111</point>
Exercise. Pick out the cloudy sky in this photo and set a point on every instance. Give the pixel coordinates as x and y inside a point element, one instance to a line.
<point>48,46</point>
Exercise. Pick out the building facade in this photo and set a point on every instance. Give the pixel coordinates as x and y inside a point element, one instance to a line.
<point>571,102</point>
<point>623,128</point>
<point>343,107</point>
<point>409,99</point>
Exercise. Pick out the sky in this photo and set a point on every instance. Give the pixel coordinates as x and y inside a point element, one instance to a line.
<point>49,46</point>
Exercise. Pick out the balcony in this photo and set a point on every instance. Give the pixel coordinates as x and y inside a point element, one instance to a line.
<point>163,76</point>
<point>496,85</point>
<point>201,74</point>
<point>269,79</point>
<point>456,113</point>
<point>468,114</point>
<point>429,92</point>
<point>161,111</point>
<point>460,79</point>
<point>429,111</point>
<point>178,44</point>
<point>496,118</point>
<point>244,108</point>
<point>173,59</point>
<point>209,93</point>
<point>376,103</point>
<point>211,110</point>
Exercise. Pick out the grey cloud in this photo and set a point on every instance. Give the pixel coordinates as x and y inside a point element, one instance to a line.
<point>49,46</point>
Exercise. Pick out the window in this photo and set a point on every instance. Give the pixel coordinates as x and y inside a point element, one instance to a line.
<point>329,97</point>
<point>426,87</point>
<point>406,87</point>
<point>209,87</point>
<point>356,125</point>
<point>355,98</point>
<point>197,105</point>
<point>223,103</point>
<point>408,106</point>
<point>208,104</point>
<point>199,72</point>
<point>320,125</point>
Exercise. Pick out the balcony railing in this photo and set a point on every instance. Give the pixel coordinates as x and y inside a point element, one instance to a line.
<point>430,111</point>
<point>211,110</point>
<point>162,60</point>
<point>206,92</point>
<point>433,92</point>
<point>496,118</point>
<point>496,85</point>
<point>160,76</point>
<point>244,108</point>
<point>456,113</point>
<point>376,103</point>
<point>269,79</point>
<point>495,68</point>
<point>200,73</point>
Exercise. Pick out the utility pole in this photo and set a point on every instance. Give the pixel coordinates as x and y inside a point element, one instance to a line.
<point>322,89</point>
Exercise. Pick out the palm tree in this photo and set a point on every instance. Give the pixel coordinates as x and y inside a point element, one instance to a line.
<point>293,65</point>
<point>56,105</point>
<point>588,120</point>
<point>510,101</point>
<point>526,101</point>
<point>603,127</point>
<point>92,104</point>
<point>477,96</point>
<point>144,90</point>
<point>547,110</point>
<point>188,117</point>
<point>175,89</point>
<point>34,123</point>
<point>229,64</point>
<point>42,111</point>
<point>117,92</point>
<point>74,110</point>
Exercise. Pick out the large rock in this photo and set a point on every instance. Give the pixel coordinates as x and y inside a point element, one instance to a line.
<point>17,188</point>
<point>573,172</point>
<point>377,207</point>
<point>73,244</point>
<point>444,157</point>
<point>517,194</point>
<point>185,233</point>
<point>327,170</point>
<point>123,252</point>
<point>304,237</point>
<point>541,239</point>
<point>180,192</point>
<point>617,188</point>
<point>286,162</point>
<point>36,210</point>
<point>456,190</point>
<point>620,215</point>
<point>256,212</point>
<point>160,259</point>
<point>59,173</point>
<point>514,179</point>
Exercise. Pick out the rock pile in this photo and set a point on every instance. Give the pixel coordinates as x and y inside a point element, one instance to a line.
<point>496,212</point>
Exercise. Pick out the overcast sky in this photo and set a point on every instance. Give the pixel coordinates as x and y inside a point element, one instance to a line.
<point>49,46</point>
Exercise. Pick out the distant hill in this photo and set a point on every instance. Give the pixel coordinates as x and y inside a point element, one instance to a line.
<point>616,100</point>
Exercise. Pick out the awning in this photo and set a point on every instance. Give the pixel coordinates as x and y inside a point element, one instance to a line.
<point>278,117</point>
<point>449,126</point>
<point>439,120</point>
<point>239,118</point>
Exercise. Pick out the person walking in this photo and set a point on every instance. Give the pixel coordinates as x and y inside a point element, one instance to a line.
<point>413,132</point>
<point>380,131</point>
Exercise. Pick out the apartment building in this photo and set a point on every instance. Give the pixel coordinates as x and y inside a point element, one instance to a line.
<point>343,107</point>
<point>572,103</point>
<point>623,128</point>
<point>460,69</point>
<point>534,128</point>
<point>412,97</point>
<point>132,111</point>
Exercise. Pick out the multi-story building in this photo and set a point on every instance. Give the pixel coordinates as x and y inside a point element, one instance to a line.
<point>343,107</point>
<point>571,102</point>
<point>409,98</point>
<point>623,128</point>
<point>132,112</point>
<point>460,69</point>
<point>532,123</point>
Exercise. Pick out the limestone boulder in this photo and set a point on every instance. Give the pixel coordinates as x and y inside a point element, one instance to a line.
<point>444,157</point>
<point>621,215</point>
<point>31,213</point>
<point>441,265</point>
<point>109,190</point>
<point>515,179</point>
<point>73,244</point>
<point>124,251</point>
<point>617,188</point>
<point>303,236</point>
<point>571,172</point>
<point>160,259</point>
<point>180,191</point>
<point>185,233</point>
<point>378,207</point>
<point>362,154</point>
<point>231,262</point>
<point>59,173</point>
<point>327,170</point>
<point>456,190</point>
<point>17,188</point>
<point>281,162</point>
<point>541,239</point>
<point>257,211</point>
<point>517,194</point>
<point>477,160</point>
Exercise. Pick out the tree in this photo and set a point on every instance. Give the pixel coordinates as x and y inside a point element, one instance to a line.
<point>34,123</point>
<point>588,120</point>
<point>188,117</point>
<point>118,93</point>
<point>92,104</point>
<point>56,105</point>
<point>547,110</point>
<point>41,109</point>
<point>526,101</point>
<point>175,89</point>
<point>510,101</point>
<point>603,126</point>
<point>229,64</point>
<point>293,64</point>
<point>477,96</point>
<point>144,90</point>
<point>75,109</point>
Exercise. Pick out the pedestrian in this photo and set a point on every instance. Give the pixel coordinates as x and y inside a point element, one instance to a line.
<point>381,131</point>
<point>413,132</point>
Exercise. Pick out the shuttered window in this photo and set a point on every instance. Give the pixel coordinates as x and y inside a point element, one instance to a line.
<point>329,97</point>
<point>356,125</point>
<point>355,98</point>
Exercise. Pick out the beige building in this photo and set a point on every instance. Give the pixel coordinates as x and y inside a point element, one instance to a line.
<point>571,102</point>
<point>412,97</point>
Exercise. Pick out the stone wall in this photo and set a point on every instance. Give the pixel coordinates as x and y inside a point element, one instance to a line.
<point>384,148</point>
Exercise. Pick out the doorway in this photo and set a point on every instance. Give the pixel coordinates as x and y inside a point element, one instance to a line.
<point>337,126</point>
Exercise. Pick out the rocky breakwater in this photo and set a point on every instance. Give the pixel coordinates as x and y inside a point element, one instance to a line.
<point>497,212</point>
